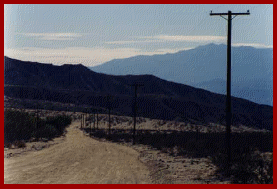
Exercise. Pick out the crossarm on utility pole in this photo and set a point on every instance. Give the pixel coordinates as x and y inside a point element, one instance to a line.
<point>232,13</point>
<point>226,14</point>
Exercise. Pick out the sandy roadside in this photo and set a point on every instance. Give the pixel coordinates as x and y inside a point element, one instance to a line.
<point>77,159</point>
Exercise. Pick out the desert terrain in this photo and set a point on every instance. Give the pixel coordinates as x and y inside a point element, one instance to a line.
<point>78,157</point>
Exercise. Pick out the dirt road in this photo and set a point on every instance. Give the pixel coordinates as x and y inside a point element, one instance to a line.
<point>79,160</point>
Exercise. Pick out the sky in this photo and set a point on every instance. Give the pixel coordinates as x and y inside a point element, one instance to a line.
<point>94,34</point>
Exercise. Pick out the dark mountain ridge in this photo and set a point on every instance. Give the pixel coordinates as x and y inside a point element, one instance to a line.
<point>158,98</point>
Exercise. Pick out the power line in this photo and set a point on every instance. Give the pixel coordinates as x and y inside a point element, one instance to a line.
<point>228,97</point>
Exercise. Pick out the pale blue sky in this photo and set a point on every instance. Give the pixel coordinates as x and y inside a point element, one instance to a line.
<point>93,34</point>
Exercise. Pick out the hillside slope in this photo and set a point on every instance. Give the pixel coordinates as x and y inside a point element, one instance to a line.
<point>158,98</point>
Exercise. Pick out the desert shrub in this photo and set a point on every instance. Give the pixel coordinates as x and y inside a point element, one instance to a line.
<point>60,122</point>
<point>248,166</point>
<point>17,125</point>
<point>48,131</point>
<point>20,126</point>
<point>8,145</point>
<point>19,144</point>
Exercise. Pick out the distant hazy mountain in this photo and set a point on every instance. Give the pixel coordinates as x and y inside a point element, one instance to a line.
<point>204,64</point>
<point>259,90</point>
<point>158,98</point>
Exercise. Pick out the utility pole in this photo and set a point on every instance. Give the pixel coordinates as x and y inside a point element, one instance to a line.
<point>228,98</point>
<point>86,118</point>
<point>90,127</point>
<point>81,121</point>
<point>97,120</point>
<point>108,98</point>
<point>37,97</point>
<point>135,110</point>
<point>75,105</point>
<point>94,121</point>
<point>109,121</point>
<point>37,117</point>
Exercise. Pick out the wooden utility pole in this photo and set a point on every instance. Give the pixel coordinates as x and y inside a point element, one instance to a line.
<point>37,97</point>
<point>86,118</point>
<point>108,98</point>
<point>228,98</point>
<point>81,121</point>
<point>109,120</point>
<point>97,120</point>
<point>37,117</point>
<point>94,121</point>
<point>135,110</point>
<point>90,127</point>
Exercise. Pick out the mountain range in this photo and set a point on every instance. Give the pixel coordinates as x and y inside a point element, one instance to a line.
<point>157,98</point>
<point>205,67</point>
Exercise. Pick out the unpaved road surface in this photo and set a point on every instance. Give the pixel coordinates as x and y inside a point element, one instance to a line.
<point>77,160</point>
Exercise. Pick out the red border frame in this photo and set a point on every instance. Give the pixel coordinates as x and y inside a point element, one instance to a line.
<point>123,2</point>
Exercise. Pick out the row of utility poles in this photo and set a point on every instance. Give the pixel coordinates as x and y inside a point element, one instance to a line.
<point>108,100</point>
<point>93,116</point>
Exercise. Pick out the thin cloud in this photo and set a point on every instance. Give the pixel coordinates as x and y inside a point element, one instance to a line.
<point>133,41</point>
<point>171,38</point>
<point>186,38</point>
<point>53,36</point>
<point>79,55</point>
<point>256,45</point>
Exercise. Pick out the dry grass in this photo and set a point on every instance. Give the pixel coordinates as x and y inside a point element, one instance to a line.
<point>126,123</point>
